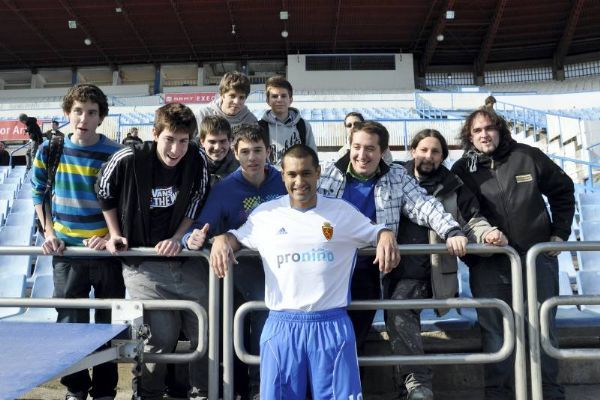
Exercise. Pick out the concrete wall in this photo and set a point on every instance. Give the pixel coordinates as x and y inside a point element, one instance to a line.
<point>124,90</point>
<point>402,78</point>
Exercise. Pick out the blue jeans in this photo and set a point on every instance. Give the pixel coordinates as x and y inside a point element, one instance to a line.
<point>490,278</point>
<point>73,279</point>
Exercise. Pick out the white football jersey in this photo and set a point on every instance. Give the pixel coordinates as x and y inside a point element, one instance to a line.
<point>308,255</point>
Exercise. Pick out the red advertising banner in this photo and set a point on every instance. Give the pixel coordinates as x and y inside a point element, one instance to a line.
<point>200,97</point>
<point>13,130</point>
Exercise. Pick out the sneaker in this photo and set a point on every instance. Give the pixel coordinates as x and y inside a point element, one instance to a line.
<point>76,396</point>
<point>420,393</point>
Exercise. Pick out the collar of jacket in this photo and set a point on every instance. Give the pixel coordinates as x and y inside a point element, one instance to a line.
<point>343,163</point>
<point>475,158</point>
<point>442,182</point>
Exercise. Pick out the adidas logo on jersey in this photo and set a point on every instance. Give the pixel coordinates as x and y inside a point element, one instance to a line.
<point>282,231</point>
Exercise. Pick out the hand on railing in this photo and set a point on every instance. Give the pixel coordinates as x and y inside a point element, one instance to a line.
<point>116,244</point>
<point>95,242</point>
<point>168,247</point>
<point>457,245</point>
<point>52,245</point>
<point>496,238</point>
<point>387,254</point>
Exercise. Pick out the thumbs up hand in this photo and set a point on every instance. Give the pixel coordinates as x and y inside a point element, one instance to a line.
<point>197,238</point>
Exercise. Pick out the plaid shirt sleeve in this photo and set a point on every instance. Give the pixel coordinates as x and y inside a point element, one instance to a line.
<point>425,210</point>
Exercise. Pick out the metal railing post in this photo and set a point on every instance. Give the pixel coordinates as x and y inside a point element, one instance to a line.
<point>534,313</point>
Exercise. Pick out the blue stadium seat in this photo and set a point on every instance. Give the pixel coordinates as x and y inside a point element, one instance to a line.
<point>17,180</point>
<point>43,287</point>
<point>565,264</point>
<point>24,193</point>
<point>588,198</point>
<point>14,236</point>
<point>23,206</point>
<point>10,265</point>
<point>590,212</point>
<point>588,283</point>
<point>12,285</point>
<point>43,266</point>
<point>589,260</point>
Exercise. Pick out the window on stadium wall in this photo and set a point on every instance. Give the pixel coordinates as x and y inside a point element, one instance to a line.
<point>582,69</point>
<point>448,78</point>
<point>518,75</point>
<point>374,62</point>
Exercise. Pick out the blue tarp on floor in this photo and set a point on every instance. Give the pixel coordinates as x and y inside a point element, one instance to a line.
<point>33,353</point>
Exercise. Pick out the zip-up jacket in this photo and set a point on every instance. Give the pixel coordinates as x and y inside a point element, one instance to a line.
<point>284,135</point>
<point>125,183</point>
<point>507,189</point>
<point>396,193</point>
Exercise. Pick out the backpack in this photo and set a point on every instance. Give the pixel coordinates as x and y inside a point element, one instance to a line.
<point>301,125</point>
<point>53,153</point>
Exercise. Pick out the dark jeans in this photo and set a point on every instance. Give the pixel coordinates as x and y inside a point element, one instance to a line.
<point>73,279</point>
<point>365,286</point>
<point>491,279</point>
<point>169,280</point>
<point>404,329</point>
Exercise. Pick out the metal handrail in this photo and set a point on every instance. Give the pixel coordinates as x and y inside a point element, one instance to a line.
<point>517,306</point>
<point>199,311</point>
<point>549,348</point>
<point>10,155</point>
<point>534,314</point>
<point>213,296</point>
<point>434,359</point>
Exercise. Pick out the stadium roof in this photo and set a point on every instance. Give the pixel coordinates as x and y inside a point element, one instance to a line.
<point>36,34</point>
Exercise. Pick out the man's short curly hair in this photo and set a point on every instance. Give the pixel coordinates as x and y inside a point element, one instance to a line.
<point>84,92</point>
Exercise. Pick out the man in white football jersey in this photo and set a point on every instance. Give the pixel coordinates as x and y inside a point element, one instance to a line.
<point>308,245</point>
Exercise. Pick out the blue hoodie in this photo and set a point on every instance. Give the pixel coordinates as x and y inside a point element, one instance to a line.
<point>232,199</point>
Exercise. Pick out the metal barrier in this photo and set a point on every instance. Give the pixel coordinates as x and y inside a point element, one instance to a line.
<point>115,304</point>
<point>534,315</point>
<point>517,306</point>
<point>504,352</point>
<point>213,304</point>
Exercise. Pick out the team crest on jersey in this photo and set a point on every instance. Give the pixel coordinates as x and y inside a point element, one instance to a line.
<point>327,230</point>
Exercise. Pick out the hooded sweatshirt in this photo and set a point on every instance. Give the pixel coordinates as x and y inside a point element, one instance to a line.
<point>232,199</point>
<point>214,108</point>
<point>285,134</point>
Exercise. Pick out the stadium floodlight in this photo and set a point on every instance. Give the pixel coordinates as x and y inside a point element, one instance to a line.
<point>283,15</point>
<point>450,14</point>
<point>72,24</point>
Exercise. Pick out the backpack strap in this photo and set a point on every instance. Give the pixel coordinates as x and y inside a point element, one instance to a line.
<point>302,130</point>
<point>53,153</point>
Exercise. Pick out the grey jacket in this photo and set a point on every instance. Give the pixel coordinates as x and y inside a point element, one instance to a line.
<point>284,135</point>
<point>214,108</point>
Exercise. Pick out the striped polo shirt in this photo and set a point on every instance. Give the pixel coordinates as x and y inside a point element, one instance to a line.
<point>76,213</point>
